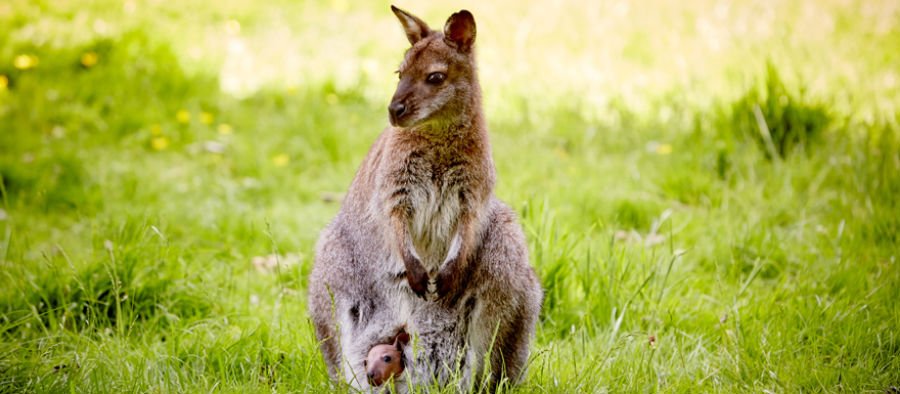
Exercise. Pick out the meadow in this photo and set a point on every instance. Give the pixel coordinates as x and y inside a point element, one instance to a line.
<point>710,190</point>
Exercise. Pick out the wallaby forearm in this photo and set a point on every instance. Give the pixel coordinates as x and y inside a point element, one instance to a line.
<point>399,215</point>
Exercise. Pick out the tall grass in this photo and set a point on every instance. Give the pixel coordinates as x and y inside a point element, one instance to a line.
<point>735,233</point>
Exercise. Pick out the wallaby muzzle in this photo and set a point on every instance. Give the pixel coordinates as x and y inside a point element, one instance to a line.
<point>396,111</point>
<point>399,110</point>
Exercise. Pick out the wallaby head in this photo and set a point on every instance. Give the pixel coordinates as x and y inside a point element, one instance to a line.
<point>386,361</point>
<point>438,83</point>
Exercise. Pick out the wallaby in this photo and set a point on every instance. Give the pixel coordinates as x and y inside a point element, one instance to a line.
<point>420,240</point>
<point>386,361</point>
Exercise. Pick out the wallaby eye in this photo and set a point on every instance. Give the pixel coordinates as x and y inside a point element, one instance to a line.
<point>387,359</point>
<point>436,78</point>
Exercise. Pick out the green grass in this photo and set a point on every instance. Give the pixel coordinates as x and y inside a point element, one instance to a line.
<point>681,248</point>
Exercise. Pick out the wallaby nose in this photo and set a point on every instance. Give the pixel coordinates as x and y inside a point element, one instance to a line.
<point>371,376</point>
<point>397,109</point>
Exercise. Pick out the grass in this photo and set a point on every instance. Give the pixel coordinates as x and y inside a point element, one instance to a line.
<point>726,222</point>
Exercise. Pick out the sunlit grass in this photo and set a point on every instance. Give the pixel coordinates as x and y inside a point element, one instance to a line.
<point>708,189</point>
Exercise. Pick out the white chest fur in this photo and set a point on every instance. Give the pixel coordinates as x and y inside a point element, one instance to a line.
<point>436,211</point>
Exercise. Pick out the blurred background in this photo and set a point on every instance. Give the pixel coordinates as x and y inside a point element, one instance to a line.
<point>700,182</point>
<point>591,53</point>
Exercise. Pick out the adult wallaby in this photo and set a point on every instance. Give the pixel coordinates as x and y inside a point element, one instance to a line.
<point>420,239</point>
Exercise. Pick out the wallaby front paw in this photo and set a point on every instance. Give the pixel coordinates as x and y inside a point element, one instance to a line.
<point>418,282</point>
<point>447,284</point>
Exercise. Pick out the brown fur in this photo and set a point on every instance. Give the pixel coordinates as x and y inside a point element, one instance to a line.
<point>420,239</point>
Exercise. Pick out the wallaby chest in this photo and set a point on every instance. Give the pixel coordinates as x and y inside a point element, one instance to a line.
<point>436,187</point>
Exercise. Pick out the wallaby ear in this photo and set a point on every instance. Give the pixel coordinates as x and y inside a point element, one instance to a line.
<point>459,30</point>
<point>414,27</point>
<point>402,339</point>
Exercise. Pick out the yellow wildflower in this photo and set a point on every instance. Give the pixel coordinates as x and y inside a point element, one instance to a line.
<point>225,128</point>
<point>183,116</point>
<point>25,61</point>
<point>89,59</point>
<point>663,149</point>
<point>281,160</point>
<point>159,143</point>
<point>206,117</point>
<point>4,82</point>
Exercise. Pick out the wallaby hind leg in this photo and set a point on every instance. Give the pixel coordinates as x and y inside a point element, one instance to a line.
<point>509,295</point>
<point>333,259</point>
